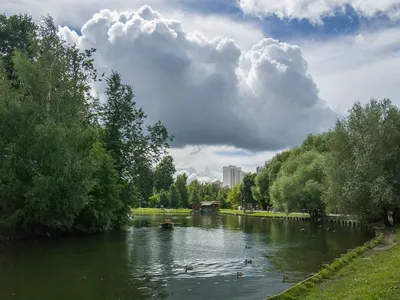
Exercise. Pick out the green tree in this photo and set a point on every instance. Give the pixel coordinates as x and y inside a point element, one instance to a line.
<point>164,199</point>
<point>246,186</point>
<point>164,173</point>
<point>180,184</point>
<point>194,192</point>
<point>222,197</point>
<point>174,196</point>
<point>132,149</point>
<point>234,197</point>
<point>260,191</point>
<point>99,213</point>
<point>47,168</point>
<point>154,201</point>
<point>363,169</point>
<point>300,184</point>
<point>17,32</point>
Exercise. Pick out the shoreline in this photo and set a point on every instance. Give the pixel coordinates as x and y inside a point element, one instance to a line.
<point>303,288</point>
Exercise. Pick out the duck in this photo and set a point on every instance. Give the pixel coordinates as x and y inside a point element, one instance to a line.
<point>248,261</point>
<point>285,278</point>
<point>239,274</point>
<point>188,268</point>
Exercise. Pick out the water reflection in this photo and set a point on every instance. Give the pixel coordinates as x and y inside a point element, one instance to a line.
<point>147,262</point>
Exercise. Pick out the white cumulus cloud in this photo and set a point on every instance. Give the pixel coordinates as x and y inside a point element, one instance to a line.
<point>314,10</point>
<point>208,91</point>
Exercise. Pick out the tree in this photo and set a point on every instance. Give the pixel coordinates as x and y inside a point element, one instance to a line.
<point>154,201</point>
<point>300,184</point>
<point>234,196</point>
<point>164,173</point>
<point>132,149</point>
<point>194,192</point>
<point>164,199</point>
<point>174,196</point>
<point>47,169</point>
<point>246,186</point>
<point>99,213</point>
<point>17,32</point>
<point>222,197</point>
<point>260,191</point>
<point>363,169</point>
<point>182,190</point>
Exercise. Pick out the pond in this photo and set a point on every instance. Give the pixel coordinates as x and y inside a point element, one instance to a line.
<point>147,262</point>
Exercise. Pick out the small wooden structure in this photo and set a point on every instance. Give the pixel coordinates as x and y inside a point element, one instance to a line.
<point>167,223</point>
<point>209,207</point>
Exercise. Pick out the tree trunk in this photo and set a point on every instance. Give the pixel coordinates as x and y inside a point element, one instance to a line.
<point>385,216</point>
<point>396,215</point>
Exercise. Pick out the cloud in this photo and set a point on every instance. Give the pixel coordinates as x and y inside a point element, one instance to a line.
<point>315,10</point>
<point>74,13</point>
<point>206,166</point>
<point>356,67</point>
<point>208,91</point>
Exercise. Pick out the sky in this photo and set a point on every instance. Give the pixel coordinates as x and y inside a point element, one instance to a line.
<point>237,81</point>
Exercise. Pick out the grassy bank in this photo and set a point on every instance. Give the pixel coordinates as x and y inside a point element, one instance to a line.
<point>160,211</point>
<point>373,276</point>
<point>368,272</point>
<point>262,213</point>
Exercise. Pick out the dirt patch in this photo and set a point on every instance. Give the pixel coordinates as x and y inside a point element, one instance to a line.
<point>388,242</point>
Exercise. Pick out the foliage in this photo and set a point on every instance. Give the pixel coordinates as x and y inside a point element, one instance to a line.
<point>194,192</point>
<point>47,167</point>
<point>17,32</point>
<point>67,164</point>
<point>99,214</point>
<point>164,199</point>
<point>154,201</point>
<point>164,173</point>
<point>246,186</point>
<point>182,190</point>
<point>363,170</point>
<point>234,197</point>
<point>174,197</point>
<point>299,185</point>
<point>260,191</point>
<point>222,197</point>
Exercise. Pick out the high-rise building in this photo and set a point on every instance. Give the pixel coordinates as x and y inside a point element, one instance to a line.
<point>259,169</point>
<point>232,176</point>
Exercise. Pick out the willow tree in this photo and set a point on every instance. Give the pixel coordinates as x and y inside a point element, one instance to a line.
<point>363,170</point>
<point>300,184</point>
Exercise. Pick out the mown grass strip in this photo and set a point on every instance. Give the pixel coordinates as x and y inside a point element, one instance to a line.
<point>160,211</point>
<point>301,289</point>
<point>266,214</point>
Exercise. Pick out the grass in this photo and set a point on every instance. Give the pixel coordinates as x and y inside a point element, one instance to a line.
<point>159,211</point>
<point>375,276</point>
<point>362,273</point>
<point>263,213</point>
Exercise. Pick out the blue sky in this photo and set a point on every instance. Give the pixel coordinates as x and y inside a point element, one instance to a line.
<point>284,29</point>
<point>344,69</point>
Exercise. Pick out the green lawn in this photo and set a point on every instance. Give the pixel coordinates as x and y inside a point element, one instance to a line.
<point>375,275</point>
<point>159,211</point>
<point>263,213</point>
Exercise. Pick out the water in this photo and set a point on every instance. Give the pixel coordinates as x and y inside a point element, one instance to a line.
<point>146,262</point>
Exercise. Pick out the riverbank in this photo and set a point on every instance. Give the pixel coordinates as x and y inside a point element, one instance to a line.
<point>368,272</point>
<point>266,214</point>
